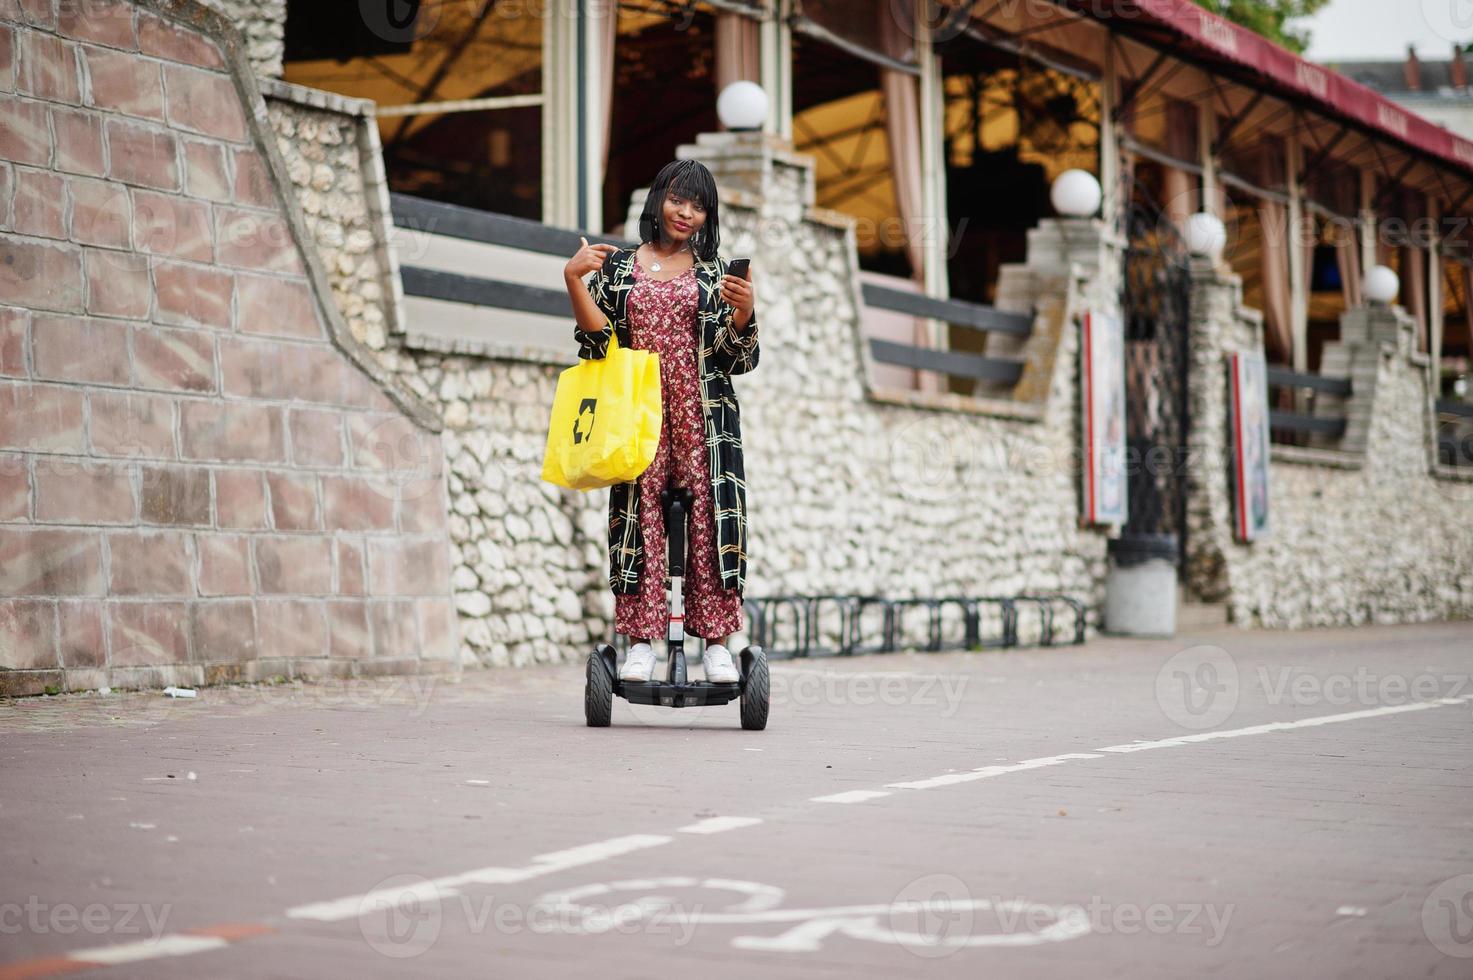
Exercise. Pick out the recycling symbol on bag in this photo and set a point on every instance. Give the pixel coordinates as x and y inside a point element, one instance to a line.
<point>583,424</point>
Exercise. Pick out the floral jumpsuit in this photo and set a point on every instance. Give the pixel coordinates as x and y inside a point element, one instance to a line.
<point>662,318</point>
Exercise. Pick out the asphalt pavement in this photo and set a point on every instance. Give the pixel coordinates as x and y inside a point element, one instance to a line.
<point>1235,804</point>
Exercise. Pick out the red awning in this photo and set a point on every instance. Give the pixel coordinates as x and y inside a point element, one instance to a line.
<point>1207,35</point>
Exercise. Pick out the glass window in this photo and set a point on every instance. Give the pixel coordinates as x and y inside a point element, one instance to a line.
<point>1256,159</point>
<point>1011,127</point>
<point>1331,239</point>
<point>413,58</point>
<point>855,22</point>
<point>840,116</point>
<point>664,93</point>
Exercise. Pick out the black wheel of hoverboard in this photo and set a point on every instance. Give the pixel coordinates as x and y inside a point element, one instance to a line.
<point>598,688</point>
<point>756,689</point>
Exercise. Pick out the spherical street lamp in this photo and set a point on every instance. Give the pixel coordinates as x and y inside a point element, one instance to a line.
<point>1076,194</point>
<point>1206,235</point>
<point>742,105</point>
<point>1382,285</point>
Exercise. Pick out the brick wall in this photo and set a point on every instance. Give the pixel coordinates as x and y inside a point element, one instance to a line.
<point>198,480</point>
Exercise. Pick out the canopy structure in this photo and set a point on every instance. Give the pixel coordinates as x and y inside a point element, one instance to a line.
<point>513,109</point>
<point>1203,36</point>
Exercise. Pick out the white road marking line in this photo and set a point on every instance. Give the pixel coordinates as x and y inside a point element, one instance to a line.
<point>715,825</point>
<point>987,772</point>
<point>853,796</point>
<point>173,944</point>
<point>809,927</point>
<point>350,906</point>
<point>1282,726</point>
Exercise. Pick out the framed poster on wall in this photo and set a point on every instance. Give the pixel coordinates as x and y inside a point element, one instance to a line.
<point>1248,409</point>
<point>1102,379</point>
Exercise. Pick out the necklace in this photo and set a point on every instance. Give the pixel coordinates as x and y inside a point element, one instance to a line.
<point>655,264</point>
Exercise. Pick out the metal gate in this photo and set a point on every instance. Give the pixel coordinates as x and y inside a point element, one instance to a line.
<point>1155,301</point>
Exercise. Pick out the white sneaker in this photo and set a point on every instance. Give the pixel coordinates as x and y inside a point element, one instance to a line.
<point>718,666</point>
<point>639,665</point>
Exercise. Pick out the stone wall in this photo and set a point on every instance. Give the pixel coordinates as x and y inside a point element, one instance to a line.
<point>851,488</point>
<point>1354,537</point>
<point>201,478</point>
<point>529,566</point>
<point>263,25</point>
<point>845,488</point>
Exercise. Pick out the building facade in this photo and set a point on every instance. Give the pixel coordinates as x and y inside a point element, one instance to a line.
<point>281,318</point>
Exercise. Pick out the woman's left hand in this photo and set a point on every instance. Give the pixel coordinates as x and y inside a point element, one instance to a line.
<point>739,294</point>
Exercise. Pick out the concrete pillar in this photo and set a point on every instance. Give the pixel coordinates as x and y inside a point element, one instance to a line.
<point>1220,326</point>
<point>1072,263</point>
<point>1366,334</point>
<point>755,163</point>
<point>1141,585</point>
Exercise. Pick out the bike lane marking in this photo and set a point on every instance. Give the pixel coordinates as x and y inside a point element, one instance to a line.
<point>333,910</point>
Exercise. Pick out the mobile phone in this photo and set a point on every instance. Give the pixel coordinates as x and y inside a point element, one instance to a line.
<point>738,268</point>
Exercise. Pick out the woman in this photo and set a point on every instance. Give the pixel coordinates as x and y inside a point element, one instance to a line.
<point>671,294</point>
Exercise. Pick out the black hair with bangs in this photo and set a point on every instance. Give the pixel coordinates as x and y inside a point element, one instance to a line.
<point>689,179</point>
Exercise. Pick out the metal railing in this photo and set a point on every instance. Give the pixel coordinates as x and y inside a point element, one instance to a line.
<point>416,214</point>
<point>837,625</point>
<point>1455,433</point>
<point>1311,390</point>
<point>957,313</point>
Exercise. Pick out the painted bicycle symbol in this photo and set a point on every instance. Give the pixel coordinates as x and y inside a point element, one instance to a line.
<point>933,916</point>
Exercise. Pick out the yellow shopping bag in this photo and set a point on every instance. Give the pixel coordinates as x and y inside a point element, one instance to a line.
<point>605,424</point>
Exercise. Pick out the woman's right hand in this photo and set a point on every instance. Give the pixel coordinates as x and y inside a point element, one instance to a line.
<point>589,258</point>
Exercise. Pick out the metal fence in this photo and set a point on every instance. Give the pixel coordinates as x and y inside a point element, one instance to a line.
<point>1304,406</point>
<point>1455,433</point>
<point>845,625</point>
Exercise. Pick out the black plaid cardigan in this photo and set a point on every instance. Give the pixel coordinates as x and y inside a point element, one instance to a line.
<point>722,352</point>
